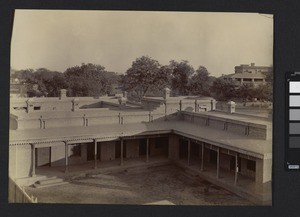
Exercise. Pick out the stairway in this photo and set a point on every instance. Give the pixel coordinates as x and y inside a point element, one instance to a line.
<point>53,181</point>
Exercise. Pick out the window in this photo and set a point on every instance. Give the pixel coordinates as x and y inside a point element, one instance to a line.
<point>37,108</point>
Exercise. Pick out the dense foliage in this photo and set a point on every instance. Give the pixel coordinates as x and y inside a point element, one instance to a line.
<point>85,80</point>
<point>145,76</point>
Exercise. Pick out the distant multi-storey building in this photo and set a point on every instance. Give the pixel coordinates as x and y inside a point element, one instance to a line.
<point>249,74</point>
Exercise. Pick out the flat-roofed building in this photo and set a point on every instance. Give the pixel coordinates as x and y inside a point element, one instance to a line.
<point>186,131</point>
<point>249,74</point>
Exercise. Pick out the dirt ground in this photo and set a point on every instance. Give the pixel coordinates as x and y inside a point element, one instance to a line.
<point>139,186</point>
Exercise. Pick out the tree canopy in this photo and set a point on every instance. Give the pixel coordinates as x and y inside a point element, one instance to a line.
<point>201,82</point>
<point>144,75</point>
<point>181,72</point>
<point>85,80</point>
<point>223,90</point>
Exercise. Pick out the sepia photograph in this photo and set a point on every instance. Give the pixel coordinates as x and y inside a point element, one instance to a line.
<point>141,108</point>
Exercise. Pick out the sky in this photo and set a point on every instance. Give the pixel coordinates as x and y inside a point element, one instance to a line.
<point>59,39</point>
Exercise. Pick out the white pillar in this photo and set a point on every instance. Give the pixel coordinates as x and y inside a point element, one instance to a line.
<point>236,169</point>
<point>218,162</point>
<point>66,157</point>
<point>202,156</point>
<point>121,157</point>
<point>189,151</point>
<point>33,160</point>
<point>147,150</point>
<point>95,156</point>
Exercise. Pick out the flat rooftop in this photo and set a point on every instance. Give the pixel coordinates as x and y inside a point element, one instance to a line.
<point>254,147</point>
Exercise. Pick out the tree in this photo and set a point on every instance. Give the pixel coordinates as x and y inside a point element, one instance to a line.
<point>88,80</point>
<point>264,92</point>
<point>23,74</point>
<point>223,90</point>
<point>200,82</point>
<point>181,71</point>
<point>268,87</point>
<point>54,85</point>
<point>246,92</point>
<point>144,75</point>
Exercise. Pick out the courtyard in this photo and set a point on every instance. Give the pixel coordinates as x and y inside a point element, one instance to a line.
<point>166,184</point>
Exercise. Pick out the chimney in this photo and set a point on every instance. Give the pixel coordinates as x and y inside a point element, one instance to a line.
<point>63,93</point>
<point>213,104</point>
<point>75,104</point>
<point>167,92</point>
<point>30,105</point>
<point>125,93</point>
<point>231,107</point>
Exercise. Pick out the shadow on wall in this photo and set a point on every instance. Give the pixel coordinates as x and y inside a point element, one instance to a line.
<point>55,155</point>
<point>189,109</point>
<point>93,105</point>
<point>13,124</point>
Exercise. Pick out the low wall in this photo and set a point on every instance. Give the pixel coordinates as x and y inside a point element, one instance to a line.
<point>55,103</point>
<point>18,195</point>
<point>234,126</point>
<point>82,118</point>
<point>175,104</point>
<point>20,164</point>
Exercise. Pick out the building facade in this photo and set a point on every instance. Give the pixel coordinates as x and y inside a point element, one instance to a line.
<point>249,74</point>
<point>186,131</point>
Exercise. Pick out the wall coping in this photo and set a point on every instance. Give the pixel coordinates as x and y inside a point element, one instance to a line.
<point>228,120</point>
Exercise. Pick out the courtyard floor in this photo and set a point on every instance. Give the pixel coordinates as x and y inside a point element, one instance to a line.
<point>153,185</point>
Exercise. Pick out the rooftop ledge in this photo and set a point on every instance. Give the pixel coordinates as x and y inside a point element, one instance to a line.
<point>259,148</point>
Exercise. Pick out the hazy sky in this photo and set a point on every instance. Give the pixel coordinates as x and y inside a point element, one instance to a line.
<point>114,39</point>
